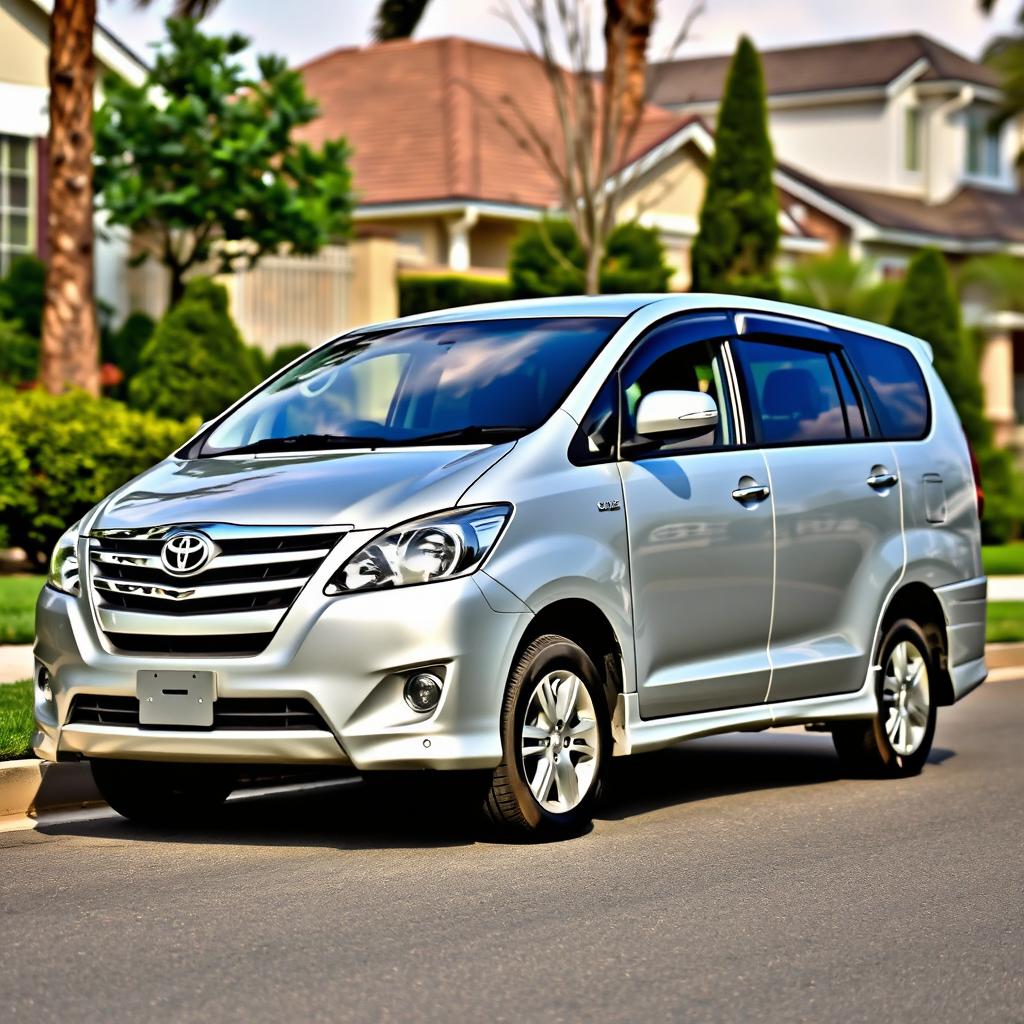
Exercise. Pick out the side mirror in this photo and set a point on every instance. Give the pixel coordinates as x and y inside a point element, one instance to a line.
<point>679,413</point>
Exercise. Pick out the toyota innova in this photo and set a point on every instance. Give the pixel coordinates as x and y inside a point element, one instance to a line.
<point>520,540</point>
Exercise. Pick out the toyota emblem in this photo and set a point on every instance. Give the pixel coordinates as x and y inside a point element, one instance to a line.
<point>185,553</point>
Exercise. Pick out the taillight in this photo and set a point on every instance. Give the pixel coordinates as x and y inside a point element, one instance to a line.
<point>979,491</point>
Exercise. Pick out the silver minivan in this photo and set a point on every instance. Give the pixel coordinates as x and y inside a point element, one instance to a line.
<point>519,540</point>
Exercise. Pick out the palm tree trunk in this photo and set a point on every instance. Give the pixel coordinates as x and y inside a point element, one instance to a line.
<point>69,355</point>
<point>641,22</point>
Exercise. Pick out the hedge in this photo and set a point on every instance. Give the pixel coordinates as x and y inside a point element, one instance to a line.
<point>422,293</point>
<point>59,456</point>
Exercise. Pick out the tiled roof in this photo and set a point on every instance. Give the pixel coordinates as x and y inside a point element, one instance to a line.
<point>856,63</point>
<point>971,214</point>
<point>420,117</point>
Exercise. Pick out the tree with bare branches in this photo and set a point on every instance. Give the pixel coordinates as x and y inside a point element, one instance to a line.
<point>598,115</point>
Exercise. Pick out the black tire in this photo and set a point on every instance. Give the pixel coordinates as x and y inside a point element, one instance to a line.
<point>158,793</point>
<point>865,747</point>
<point>510,804</point>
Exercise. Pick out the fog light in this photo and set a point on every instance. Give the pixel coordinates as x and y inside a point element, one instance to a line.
<point>423,691</point>
<point>43,682</point>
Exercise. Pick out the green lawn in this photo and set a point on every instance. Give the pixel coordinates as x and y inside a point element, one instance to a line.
<point>1005,621</point>
<point>16,725</point>
<point>18,608</point>
<point>1003,559</point>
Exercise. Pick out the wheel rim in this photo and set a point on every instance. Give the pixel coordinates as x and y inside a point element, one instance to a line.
<point>560,741</point>
<point>906,702</point>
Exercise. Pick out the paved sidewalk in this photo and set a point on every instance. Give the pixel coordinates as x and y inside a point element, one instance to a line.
<point>15,662</point>
<point>1006,588</point>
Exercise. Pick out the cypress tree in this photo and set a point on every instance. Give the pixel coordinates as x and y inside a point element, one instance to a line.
<point>927,307</point>
<point>739,221</point>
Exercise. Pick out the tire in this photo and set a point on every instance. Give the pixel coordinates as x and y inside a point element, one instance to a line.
<point>158,793</point>
<point>533,792</point>
<point>895,743</point>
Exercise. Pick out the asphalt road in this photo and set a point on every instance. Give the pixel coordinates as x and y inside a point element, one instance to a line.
<point>731,879</point>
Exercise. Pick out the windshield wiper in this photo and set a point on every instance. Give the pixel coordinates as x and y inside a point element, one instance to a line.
<point>303,443</point>
<point>470,435</point>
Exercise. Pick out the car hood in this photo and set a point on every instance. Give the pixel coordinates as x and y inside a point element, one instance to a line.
<point>367,490</point>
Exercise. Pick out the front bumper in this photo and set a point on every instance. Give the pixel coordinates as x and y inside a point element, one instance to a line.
<point>348,656</point>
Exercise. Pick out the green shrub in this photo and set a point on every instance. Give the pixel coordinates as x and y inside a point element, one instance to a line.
<point>22,292</point>
<point>60,455</point>
<point>196,361</point>
<point>19,354</point>
<point>124,346</point>
<point>547,260</point>
<point>283,355</point>
<point>422,293</point>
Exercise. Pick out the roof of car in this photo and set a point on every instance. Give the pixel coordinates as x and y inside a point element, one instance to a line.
<point>623,306</point>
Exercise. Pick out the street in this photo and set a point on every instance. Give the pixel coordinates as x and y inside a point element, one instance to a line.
<point>730,879</point>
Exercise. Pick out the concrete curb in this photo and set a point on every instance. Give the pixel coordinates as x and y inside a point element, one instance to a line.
<point>30,787</point>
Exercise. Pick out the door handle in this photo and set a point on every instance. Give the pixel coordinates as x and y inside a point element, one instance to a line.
<point>882,481</point>
<point>748,495</point>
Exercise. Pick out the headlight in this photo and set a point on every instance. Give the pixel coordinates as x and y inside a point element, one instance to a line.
<point>438,547</point>
<point>63,573</point>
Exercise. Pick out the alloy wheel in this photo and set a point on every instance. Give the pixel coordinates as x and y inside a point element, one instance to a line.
<point>906,701</point>
<point>560,741</point>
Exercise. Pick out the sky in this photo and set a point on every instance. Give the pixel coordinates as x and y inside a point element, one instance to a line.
<point>302,29</point>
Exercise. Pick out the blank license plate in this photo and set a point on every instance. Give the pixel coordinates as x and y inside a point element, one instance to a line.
<point>175,697</point>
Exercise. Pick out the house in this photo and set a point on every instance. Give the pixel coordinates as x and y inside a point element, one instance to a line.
<point>883,145</point>
<point>888,145</point>
<point>434,164</point>
<point>284,299</point>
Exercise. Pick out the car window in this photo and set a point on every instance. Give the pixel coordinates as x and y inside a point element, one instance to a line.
<point>856,421</point>
<point>670,362</point>
<point>895,386</point>
<point>793,392</point>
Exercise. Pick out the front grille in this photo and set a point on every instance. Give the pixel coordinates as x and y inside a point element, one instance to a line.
<point>249,580</point>
<point>276,713</point>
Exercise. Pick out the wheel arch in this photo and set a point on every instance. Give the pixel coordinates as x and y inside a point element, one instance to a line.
<point>917,601</point>
<point>584,623</point>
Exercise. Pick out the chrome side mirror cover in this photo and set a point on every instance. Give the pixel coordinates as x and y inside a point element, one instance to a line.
<point>679,413</point>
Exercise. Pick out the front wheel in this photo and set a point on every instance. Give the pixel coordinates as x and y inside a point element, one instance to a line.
<point>158,793</point>
<point>556,740</point>
<point>897,741</point>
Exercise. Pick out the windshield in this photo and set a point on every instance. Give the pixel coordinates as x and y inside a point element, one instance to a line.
<point>472,382</point>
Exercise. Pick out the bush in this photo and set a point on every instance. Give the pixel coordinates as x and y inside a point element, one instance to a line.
<point>196,361</point>
<point>422,293</point>
<point>60,455</point>
<point>19,354</point>
<point>22,292</point>
<point>124,346</point>
<point>283,355</point>
<point>547,260</point>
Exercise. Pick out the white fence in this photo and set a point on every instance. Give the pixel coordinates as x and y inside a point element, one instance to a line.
<point>282,299</point>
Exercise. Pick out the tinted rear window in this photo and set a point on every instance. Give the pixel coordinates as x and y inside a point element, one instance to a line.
<point>895,386</point>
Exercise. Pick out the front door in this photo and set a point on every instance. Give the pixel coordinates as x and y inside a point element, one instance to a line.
<point>700,529</point>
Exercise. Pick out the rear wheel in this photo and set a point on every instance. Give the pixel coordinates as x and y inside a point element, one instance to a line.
<point>158,793</point>
<point>556,738</point>
<point>897,741</point>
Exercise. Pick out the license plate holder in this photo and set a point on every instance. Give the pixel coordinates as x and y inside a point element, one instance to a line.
<point>176,697</point>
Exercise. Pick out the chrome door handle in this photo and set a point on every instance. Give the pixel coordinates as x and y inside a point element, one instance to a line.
<point>882,481</point>
<point>758,492</point>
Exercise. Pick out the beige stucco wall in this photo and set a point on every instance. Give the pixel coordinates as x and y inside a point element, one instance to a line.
<point>419,240</point>
<point>490,243</point>
<point>373,291</point>
<point>24,46</point>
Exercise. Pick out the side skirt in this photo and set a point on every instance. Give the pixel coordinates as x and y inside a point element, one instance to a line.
<point>634,735</point>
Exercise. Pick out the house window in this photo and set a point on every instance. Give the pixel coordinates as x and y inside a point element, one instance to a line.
<point>912,140</point>
<point>982,144</point>
<point>17,199</point>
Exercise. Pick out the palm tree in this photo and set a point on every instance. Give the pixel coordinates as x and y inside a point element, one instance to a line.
<point>69,351</point>
<point>840,284</point>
